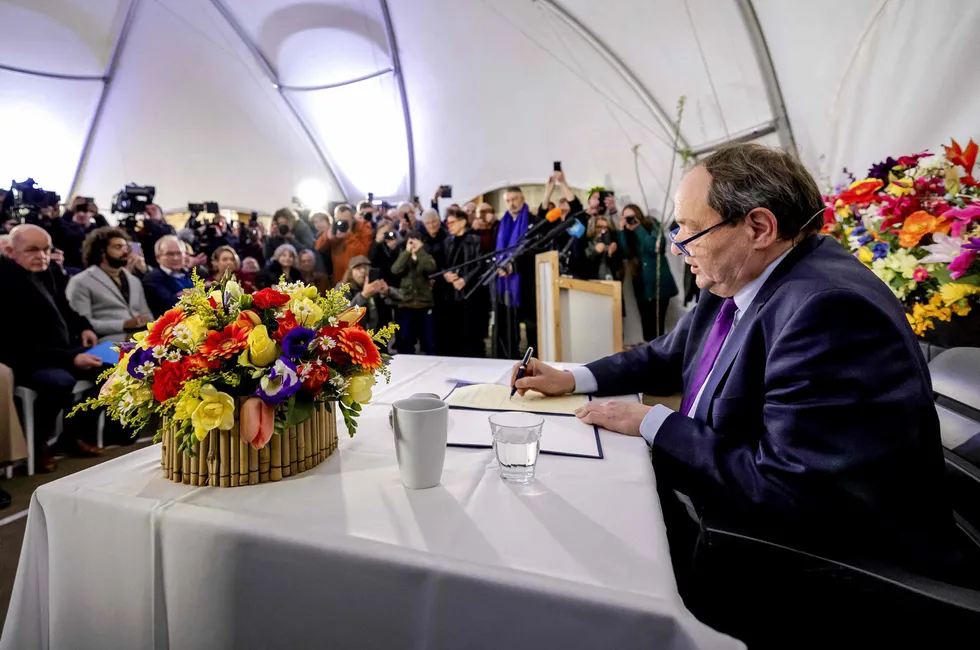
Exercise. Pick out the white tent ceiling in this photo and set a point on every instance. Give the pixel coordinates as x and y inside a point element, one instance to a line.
<point>241,101</point>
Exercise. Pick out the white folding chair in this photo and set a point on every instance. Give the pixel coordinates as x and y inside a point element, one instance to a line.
<point>27,398</point>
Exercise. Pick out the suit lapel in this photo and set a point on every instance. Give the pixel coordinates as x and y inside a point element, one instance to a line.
<point>745,323</point>
<point>108,283</point>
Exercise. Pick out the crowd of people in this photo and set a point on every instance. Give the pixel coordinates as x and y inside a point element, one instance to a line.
<point>84,281</point>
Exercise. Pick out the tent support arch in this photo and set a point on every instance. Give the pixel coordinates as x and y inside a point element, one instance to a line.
<point>764,59</point>
<point>106,83</point>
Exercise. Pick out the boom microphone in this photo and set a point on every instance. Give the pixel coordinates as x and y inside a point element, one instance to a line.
<point>571,225</point>
<point>551,217</point>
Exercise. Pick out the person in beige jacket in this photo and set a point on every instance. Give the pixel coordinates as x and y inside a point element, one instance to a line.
<point>13,446</point>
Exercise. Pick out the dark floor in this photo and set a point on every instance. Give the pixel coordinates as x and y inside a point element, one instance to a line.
<point>21,487</point>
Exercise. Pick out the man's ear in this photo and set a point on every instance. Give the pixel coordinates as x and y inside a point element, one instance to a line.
<point>764,227</point>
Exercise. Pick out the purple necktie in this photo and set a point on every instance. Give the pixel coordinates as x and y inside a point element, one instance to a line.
<point>723,325</point>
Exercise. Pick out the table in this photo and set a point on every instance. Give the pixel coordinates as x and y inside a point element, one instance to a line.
<point>344,556</point>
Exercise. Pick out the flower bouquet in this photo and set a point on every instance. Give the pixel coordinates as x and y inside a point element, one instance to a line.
<point>245,384</point>
<point>915,222</point>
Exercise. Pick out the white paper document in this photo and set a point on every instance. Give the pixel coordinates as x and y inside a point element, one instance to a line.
<point>496,397</point>
<point>561,434</point>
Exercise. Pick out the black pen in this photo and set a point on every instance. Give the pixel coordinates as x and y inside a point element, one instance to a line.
<point>522,369</point>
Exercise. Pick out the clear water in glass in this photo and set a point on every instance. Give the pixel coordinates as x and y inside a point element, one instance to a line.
<point>516,441</point>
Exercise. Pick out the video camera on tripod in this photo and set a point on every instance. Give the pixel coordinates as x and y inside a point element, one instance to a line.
<point>131,201</point>
<point>205,230</point>
<point>24,201</point>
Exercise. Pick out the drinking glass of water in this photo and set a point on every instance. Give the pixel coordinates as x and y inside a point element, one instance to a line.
<point>516,441</point>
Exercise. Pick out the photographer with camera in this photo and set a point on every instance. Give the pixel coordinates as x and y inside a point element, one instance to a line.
<point>384,252</point>
<point>365,211</point>
<point>348,237</point>
<point>73,232</point>
<point>154,228</point>
<point>415,319</point>
<point>284,223</point>
<point>602,255</point>
<point>89,204</point>
<point>645,248</point>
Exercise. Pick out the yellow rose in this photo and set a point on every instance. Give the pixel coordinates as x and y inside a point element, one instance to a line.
<point>186,406</point>
<point>307,312</point>
<point>216,411</point>
<point>359,389</point>
<point>261,351</point>
<point>139,336</point>
<point>865,255</point>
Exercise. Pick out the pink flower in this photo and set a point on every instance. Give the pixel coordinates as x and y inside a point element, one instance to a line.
<point>920,275</point>
<point>256,424</point>
<point>961,264</point>
<point>962,217</point>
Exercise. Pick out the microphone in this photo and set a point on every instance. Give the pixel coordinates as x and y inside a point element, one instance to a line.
<point>551,217</point>
<point>571,225</point>
<point>576,232</point>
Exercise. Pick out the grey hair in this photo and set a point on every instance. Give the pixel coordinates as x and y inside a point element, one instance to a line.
<point>430,213</point>
<point>746,176</point>
<point>158,246</point>
<point>281,248</point>
<point>343,207</point>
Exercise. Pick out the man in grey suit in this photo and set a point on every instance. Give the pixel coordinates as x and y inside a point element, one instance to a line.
<point>105,293</point>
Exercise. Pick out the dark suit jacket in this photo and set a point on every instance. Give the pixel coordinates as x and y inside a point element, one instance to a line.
<point>161,291</point>
<point>819,412</point>
<point>42,331</point>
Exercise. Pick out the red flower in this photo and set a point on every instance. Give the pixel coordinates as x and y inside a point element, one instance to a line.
<point>269,298</point>
<point>862,191</point>
<point>167,380</point>
<point>162,332</point>
<point>229,341</point>
<point>358,344</point>
<point>286,323</point>
<point>314,375</point>
<point>965,158</point>
<point>197,365</point>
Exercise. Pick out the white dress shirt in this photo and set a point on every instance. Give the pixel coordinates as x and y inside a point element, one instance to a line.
<point>585,381</point>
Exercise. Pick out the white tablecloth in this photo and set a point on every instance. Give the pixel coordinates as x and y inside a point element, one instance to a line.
<point>344,556</point>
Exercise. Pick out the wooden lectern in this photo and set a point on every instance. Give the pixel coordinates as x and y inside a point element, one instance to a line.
<point>578,320</point>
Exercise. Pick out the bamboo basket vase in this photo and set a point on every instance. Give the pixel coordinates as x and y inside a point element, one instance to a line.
<point>223,459</point>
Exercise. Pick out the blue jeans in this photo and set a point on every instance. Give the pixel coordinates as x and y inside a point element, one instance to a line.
<point>415,326</point>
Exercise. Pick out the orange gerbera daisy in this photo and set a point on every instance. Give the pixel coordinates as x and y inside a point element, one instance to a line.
<point>162,332</point>
<point>197,365</point>
<point>358,344</point>
<point>229,341</point>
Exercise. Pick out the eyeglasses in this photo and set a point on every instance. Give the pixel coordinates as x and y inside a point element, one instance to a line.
<point>681,245</point>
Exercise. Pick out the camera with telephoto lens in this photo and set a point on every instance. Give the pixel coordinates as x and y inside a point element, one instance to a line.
<point>390,235</point>
<point>341,226</point>
<point>24,201</point>
<point>205,229</point>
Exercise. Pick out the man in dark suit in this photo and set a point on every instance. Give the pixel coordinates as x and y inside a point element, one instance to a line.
<point>44,343</point>
<point>807,402</point>
<point>163,284</point>
<point>462,322</point>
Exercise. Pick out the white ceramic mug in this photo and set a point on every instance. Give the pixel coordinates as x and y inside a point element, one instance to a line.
<point>421,427</point>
